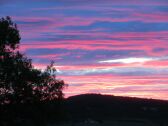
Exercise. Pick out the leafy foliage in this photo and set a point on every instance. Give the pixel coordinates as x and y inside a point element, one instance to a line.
<point>20,82</point>
<point>9,34</point>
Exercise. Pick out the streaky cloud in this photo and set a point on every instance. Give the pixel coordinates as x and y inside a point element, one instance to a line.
<point>134,60</point>
<point>128,60</point>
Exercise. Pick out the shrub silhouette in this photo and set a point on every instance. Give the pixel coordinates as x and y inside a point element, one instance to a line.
<point>20,82</point>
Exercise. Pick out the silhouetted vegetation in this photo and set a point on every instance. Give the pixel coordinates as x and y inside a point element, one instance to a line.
<point>25,92</point>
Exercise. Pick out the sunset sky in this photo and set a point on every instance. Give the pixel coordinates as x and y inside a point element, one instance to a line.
<point>117,47</point>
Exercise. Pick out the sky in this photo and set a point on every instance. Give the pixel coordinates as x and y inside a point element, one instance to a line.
<point>115,47</point>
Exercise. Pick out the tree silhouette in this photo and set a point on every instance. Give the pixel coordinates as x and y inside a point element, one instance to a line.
<point>20,82</point>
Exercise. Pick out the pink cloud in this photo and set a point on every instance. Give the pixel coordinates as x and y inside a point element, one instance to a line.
<point>152,86</point>
<point>50,56</point>
<point>146,88</point>
<point>141,45</point>
<point>152,17</point>
<point>162,63</point>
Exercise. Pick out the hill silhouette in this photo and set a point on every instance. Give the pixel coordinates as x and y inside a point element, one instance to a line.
<point>101,108</point>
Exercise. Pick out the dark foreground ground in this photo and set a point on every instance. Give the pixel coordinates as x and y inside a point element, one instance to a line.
<point>105,110</point>
<point>88,110</point>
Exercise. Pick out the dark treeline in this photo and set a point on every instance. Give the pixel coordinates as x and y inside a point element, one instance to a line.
<point>26,93</point>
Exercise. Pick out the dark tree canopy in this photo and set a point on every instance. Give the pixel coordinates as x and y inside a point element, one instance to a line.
<point>9,34</point>
<point>20,82</point>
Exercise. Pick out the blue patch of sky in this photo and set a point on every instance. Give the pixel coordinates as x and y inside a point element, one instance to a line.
<point>132,26</point>
<point>87,56</point>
